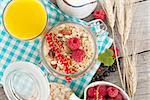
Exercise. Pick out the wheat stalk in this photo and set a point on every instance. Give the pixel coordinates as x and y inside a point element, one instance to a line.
<point>120,21</point>
<point>123,9</point>
<point>123,24</point>
<point>110,12</point>
<point>128,18</point>
<point>131,76</point>
<point>120,16</point>
<point>130,62</point>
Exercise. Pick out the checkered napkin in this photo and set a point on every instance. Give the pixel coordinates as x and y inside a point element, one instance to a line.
<point>12,49</point>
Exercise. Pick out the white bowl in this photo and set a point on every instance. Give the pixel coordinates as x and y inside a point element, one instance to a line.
<point>124,94</point>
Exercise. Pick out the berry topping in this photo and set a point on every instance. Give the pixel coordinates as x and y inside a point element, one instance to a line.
<point>101,98</point>
<point>111,98</point>
<point>74,43</point>
<point>55,47</point>
<point>89,98</point>
<point>78,55</point>
<point>99,14</point>
<point>68,79</point>
<point>102,90</point>
<point>91,92</point>
<point>65,32</point>
<point>112,91</point>
<point>117,51</point>
<point>118,97</point>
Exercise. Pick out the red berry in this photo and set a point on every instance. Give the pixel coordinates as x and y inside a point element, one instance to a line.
<point>99,14</point>
<point>102,90</point>
<point>68,79</point>
<point>91,92</point>
<point>51,38</point>
<point>112,92</point>
<point>118,97</point>
<point>101,98</point>
<point>111,98</point>
<point>89,98</point>
<point>117,51</point>
<point>74,43</point>
<point>78,55</point>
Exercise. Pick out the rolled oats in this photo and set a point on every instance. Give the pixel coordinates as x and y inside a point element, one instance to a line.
<point>59,92</point>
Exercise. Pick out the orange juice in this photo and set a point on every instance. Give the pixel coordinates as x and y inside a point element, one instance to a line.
<point>25,19</point>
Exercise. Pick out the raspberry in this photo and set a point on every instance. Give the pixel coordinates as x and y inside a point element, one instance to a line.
<point>74,43</point>
<point>99,14</point>
<point>91,98</point>
<point>68,79</point>
<point>78,55</point>
<point>112,92</point>
<point>91,92</point>
<point>111,99</point>
<point>118,97</point>
<point>102,90</point>
<point>101,98</point>
<point>117,51</point>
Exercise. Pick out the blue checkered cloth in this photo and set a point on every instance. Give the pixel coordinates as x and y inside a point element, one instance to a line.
<point>12,49</point>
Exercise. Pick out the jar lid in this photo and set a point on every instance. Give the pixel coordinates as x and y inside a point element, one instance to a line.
<point>25,81</point>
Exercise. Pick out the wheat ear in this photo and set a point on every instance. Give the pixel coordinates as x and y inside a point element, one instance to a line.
<point>110,12</point>
<point>130,62</point>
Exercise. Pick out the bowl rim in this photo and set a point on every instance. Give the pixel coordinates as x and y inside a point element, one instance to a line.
<point>51,69</point>
<point>106,83</point>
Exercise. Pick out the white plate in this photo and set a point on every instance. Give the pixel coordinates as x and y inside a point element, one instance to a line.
<point>25,67</point>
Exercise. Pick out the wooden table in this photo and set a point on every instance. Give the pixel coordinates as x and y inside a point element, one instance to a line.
<point>142,16</point>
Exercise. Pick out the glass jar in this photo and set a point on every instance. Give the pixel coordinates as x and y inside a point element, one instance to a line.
<point>31,19</point>
<point>59,74</point>
<point>25,81</point>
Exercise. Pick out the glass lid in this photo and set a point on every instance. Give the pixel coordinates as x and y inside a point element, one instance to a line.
<point>24,81</point>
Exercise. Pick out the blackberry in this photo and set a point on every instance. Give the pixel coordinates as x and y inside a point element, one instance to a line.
<point>106,73</point>
<point>112,69</point>
<point>103,66</point>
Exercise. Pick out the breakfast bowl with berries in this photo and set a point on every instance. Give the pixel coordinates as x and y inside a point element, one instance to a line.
<point>69,50</point>
<point>102,90</point>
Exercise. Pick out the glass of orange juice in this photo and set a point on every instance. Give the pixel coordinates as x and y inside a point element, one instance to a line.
<point>25,19</point>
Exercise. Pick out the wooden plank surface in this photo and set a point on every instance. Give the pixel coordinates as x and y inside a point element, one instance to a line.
<point>142,16</point>
<point>141,23</point>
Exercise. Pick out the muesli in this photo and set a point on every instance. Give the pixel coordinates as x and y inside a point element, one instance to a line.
<point>69,48</point>
<point>59,92</point>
